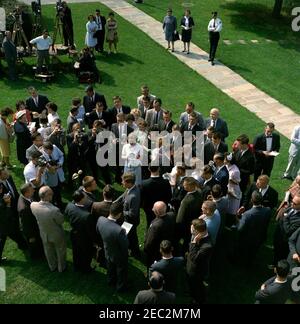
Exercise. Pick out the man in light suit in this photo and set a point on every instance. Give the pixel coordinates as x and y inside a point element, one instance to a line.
<point>37,141</point>
<point>263,144</point>
<point>115,247</point>
<point>217,123</point>
<point>293,166</point>
<point>131,200</point>
<point>154,115</point>
<point>184,117</point>
<point>50,221</point>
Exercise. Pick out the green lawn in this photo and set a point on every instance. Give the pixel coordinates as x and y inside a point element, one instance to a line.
<point>29,282</point>
<point>272,67</point>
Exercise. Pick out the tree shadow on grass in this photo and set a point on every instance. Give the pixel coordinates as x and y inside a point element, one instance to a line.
<point>120,59</point>
<point>257,18</point>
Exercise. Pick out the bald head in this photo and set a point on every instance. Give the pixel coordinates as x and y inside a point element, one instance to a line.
<point>159,209</point>
<point>46,194</point>
<point>214,113</point>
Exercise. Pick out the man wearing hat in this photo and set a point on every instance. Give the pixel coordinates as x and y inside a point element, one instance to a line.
<point>100,32</point>
<point>214,29</point>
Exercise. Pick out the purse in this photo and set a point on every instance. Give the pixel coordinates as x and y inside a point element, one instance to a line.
<point>176,36</point>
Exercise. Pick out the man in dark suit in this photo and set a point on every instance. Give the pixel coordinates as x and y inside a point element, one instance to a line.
<point>29,224</point>
<point>252,229</point>
<point>100,32</point>
<point>121,131</point>
<point>154,189</point>
<point>91,98</point>
<point>117,109</point>
<point>36,103</point>
<point>178,191</point>
<point>161,228</point>
<point>190,208</point>
<point>198,260</point>
<point>263,144</point>
<point>294,246</point>
<point>115,246</point>
<point>98,114</point>
<point>167,123</point>
<point>9,189</point>
<point>72,119</point>
<point>81,232</point>
<point>209,181</point>
<point>285,228</point>
<point>213,147</point>
<point>67,25</point>
<point>169,266</point>
<point>102,208</point>
<point>244,160</point>
<point>156,295</point>
<point>217,123</point>
<point>10,53</point>
<point>88,188</point>
<point>131,200</point>
<point>270,195</point>
<point>192,125</point>
<point>221,173</point>
<point>277,289</point>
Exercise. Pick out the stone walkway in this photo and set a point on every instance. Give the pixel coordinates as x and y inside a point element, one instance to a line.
<point>246,94</point>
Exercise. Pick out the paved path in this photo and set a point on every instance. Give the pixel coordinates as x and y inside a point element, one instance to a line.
<point>242,91</point>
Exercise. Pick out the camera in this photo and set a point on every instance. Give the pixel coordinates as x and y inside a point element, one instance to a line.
<point>59,7</point>
<point>36,8</point>
<point>42,162</point>
<point>53,163</point>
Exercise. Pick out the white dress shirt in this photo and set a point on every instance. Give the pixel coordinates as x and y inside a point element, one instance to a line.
<point>269,144</point>
<point>215,25</point>
<point>42,43</point>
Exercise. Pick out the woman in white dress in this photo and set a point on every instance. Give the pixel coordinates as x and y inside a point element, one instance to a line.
<point>91,28</point>
<point>234,193</point>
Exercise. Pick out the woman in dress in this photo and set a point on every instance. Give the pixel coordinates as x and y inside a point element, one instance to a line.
<point>169,27</point>
<point>112,32</point>
<point>91,28</point>
<point>234,193</point>
<point>6,136</point>
<point>187,23</point>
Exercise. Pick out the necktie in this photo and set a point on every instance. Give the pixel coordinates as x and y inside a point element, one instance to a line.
<point>214,24</point>
<point>214,124</point>
<point>10,188</point>
<point>156,118</point>
<point>36,101</point>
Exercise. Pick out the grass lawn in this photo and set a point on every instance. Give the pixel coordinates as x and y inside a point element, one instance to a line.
<point>271,66</point>
<point>139,61</point>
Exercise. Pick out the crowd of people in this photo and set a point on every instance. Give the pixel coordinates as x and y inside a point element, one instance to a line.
<point>190,205</point>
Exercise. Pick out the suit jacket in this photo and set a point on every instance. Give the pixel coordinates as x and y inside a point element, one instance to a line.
<point>50,221</point>
<point>114,239</point>
<point>90,104</point>
<point>170,269</point>
<point>90,198</point>
<point>151,297</point>
<point>290,222</point>
<point>71,120</point>
<point>220,127</point>
<point>10,50</point>
<point>206,190</point>
<point>294,242</point>
<point>190,208</point>
<point>198,258</point>
<point>184,118</point>
<point>6,218</point>
<point>30,226</point>
<point>260,145</point>
<point>190,20</point>
<point>115,130</point>
<point>152,190</point>
<point>161,228</point>
<point>150,117</point>
<point>245,163</point>
<point>94,116</point>
<point>103,23</point>
<point>12,190</point>
<point>113,111</point>
<point>196,128</point>
<point>274,293</point>
<point>42,101</point>
<point>163,127</point>
<point>253,226</point>
<point>222,176</point>
<point>270,198</point>
<point>210,151</point>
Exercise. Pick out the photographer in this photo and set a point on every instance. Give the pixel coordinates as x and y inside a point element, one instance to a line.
<point>67,23</point>
<point>77,143</point>
<point>34,172</point>
<point>54,173</point>
<point>56,135</point>
<point>10,52</point>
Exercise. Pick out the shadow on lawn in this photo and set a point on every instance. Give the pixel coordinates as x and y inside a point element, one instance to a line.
<point>257,18</point>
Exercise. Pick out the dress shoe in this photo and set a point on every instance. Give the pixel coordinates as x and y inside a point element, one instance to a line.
<point>209,60</point>
<point>287,177</point>
<point>212,63</point>
<point>3,259</point>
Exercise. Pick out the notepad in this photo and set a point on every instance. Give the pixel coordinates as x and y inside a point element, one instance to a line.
<point>273,153</point>
<point>127,227</point>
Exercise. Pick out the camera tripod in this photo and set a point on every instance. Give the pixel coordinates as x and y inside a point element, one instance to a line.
<point>18,35</point>
<point>58,29</point>
<point>36,27</point>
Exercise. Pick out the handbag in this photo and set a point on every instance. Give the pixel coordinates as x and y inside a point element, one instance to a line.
<point>176,36</point>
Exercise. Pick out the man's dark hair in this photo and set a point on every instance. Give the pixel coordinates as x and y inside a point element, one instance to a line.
<point>156,281</point>
<point>48,146</point>
<point>199,225</point>
<point>216,191</point>
<point>166,247</point>
<point>282,268</point>
<point>116,208</point>
<point>244,139</point>
<point>158,100</point>
<point>25,187</point>
<point>270,125</point>
<point>89,88</point>
<point>153,168</point>
<point>256,198</point>
<point>216,135</point>
<point>73,110</point>
<point>35,135</point>
<point>108,192</point>
<point>77,196</point>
